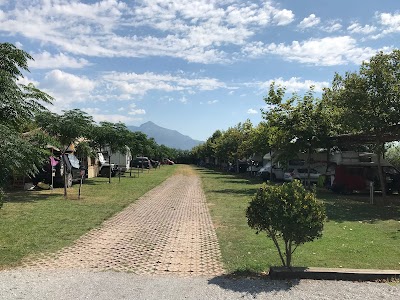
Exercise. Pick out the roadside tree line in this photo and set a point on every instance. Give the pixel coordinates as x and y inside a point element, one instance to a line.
<point>27,126</point>
<point>364,105</point>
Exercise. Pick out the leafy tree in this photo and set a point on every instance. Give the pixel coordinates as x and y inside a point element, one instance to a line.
<point>299,124</point>
<point>113,137</point>
<point>231,144</point>
<point>369,101</point>
<point>67,128</point>
<point>393,155</point>
<point>18,106</point>
<point>259,139</point>
<point>288,214</point>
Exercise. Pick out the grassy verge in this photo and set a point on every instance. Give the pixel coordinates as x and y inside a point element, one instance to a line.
<point>43,221</point>
<point>356,234</point>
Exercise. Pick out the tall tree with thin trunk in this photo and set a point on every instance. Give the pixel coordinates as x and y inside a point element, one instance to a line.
<point>19,104</point>
<point>369,101</point>
<point>67,128</point>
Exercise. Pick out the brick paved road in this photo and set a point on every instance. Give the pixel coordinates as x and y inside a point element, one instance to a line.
<point>167,231</point>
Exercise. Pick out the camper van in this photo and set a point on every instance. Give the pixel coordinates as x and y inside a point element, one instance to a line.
<point>123,160</point>
<point>354,171</point>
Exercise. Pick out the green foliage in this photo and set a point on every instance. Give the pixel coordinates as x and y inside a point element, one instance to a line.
<point>369,98</point>
<point>19,154</point>
<point>68,127</point>
<point>393,155</point>
<point>298,123</point>
<point>228,146</point>
<point>18,103</point>
<point>286,213</point>
<point>369,101</point>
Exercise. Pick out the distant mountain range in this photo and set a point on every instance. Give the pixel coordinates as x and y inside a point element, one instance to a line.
<point>167,137</point>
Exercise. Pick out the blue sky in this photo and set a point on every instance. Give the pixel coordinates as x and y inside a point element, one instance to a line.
<point>193,66</point>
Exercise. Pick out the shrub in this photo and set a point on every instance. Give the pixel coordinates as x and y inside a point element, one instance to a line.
<point>288,214</point>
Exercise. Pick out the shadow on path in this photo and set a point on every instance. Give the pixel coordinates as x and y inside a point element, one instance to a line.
<point>252,284</point>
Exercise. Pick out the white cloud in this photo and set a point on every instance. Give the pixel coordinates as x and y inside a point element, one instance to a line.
<point>114,118</point>
<point>195,31</point>
<point>283,17</point>
<point>46,60</point>
<point>184,100</point>
<point>25,80</point>
<point>91,110</point>
<point>329,51</point>
<point>140,84</point>
<point>332,26</point>
<point>310,21</point>
<point>252,111</point>
<point>294,84</point>
<point>212,102</point>
<point>68,88</point>
<point>357,28</point>
<point>135,111</point>
<point>390,22</point>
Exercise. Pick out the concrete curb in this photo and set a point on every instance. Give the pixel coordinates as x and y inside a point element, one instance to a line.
<point>333,274</point>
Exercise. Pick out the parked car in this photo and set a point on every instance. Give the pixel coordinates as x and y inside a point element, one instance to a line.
<point>57,166</point>
<point>168,161</point>
<point>154,163</point>
<point>301,174</point>
<point>266,170</point>
<point>141,161</point>
<point>104,166</point>
<point>349,178</point>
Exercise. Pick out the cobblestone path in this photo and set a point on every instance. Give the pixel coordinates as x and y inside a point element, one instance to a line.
<point>166,231</point>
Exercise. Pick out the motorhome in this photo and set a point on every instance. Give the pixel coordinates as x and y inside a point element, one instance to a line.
<point>343,171</point>
<point>121,160</point>
<point>355,171</point>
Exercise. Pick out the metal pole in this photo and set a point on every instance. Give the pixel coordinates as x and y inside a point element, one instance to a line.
<point>371,192</point>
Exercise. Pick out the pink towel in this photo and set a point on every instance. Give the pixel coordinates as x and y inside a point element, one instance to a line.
<point>53,161</point>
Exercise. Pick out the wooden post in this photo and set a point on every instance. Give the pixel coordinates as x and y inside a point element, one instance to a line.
<point>82,173</point>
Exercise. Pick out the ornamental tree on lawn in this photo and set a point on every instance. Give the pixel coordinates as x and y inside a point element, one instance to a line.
<point>288,214</point>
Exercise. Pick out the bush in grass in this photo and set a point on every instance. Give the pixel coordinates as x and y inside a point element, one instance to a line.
<point>289,214</point>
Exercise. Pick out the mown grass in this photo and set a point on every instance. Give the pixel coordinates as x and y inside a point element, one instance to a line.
<point>32,222</point>
<point>356,234</point>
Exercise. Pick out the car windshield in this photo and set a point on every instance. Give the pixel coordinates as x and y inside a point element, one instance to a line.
<point>74,161</point>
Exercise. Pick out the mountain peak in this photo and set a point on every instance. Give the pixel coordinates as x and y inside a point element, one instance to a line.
<point>168,137</point>
<point>148,123</point>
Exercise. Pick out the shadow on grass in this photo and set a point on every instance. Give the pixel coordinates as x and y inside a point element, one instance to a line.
<point>250,283</point>
<point>29,196</point>
<point>342,208</point>
<point>245,192</point>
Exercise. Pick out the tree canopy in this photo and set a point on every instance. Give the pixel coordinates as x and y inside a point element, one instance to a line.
<point>18,106</point>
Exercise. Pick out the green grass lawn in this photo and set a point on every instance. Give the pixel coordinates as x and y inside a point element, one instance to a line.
<point>43,221</point>
<point>356,234</point>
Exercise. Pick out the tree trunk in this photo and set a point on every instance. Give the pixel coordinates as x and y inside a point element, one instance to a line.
<point>382,179</point>
<point>272,163</point>
<point>288,247</point>
<point>109,172</point>
<point>64,174</point>
<point>308,168</point>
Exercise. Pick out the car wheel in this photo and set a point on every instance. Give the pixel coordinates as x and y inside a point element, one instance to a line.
<point>69,180</point>
<point>105,172</point>
<point>265,176</point>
